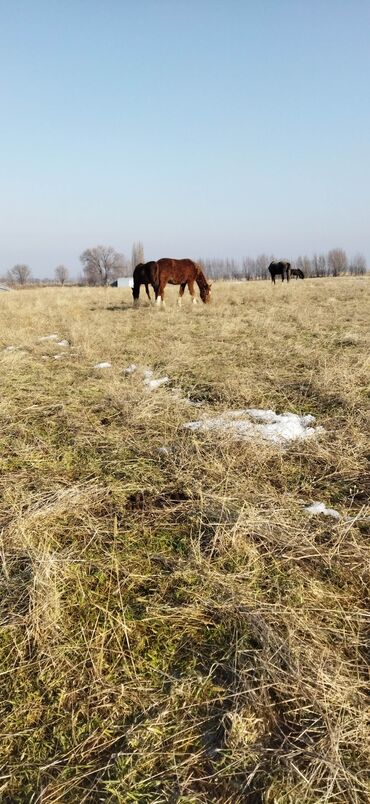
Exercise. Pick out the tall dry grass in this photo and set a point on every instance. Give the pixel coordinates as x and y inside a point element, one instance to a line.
<point>174,627</point>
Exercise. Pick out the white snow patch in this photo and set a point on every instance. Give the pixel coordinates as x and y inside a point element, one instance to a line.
<point>320,508</point>
<point>49,338</point>
<point>164,451</point>
<point>148,376</point>
<point>102,365</point>
<point>154,384</point>
<point>256,422</point>
<point>18,349</point>
<point>63,343</point>
<point>60,355</point>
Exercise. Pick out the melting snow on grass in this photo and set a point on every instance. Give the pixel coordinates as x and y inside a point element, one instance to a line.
<point>49,338</point>
<point>148,376</point>
<point>63,343</point>
<point>102,365</point>
<point>256,422</point>
<point>320,508</point>
<point>153,384</point>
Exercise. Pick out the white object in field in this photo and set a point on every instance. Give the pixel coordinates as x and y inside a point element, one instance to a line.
<point>164,451</point>
<point>154,384</point>
<point>63,343</point>
<point>320,508</point>
<point>130,369</point>
<point>254,422</point>
<point>49,338</point>
<point>123,282</point>
<point>102,365</point>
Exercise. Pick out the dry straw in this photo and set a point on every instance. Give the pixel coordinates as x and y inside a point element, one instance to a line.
<point>174,626</point>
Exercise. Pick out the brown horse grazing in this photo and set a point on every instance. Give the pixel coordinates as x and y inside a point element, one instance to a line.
<point>144,274</point>
<point>181,272</point>
<point>297,273</point>
<point>281,267</point>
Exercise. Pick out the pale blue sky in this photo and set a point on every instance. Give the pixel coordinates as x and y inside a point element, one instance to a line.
<point>201,127</point>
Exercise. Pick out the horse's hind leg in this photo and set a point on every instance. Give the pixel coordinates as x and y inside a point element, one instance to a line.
<point>147,290</point>
<point>181,293</point>
<point>135,295</point>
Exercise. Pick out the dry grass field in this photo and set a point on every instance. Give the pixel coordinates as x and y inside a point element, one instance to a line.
<point>175,627</point>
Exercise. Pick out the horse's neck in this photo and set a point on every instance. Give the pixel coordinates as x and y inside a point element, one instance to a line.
<point>200,278</point>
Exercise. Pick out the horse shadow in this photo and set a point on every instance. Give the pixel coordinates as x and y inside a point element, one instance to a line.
<point>114,308</point>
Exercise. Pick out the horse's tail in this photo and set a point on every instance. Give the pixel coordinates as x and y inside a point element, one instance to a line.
<point>300,273</point>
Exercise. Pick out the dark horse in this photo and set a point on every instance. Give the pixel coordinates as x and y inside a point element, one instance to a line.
<point>281,267</point>
<point>144,274</point>
<point>297,273</point>
<point>181,272</point>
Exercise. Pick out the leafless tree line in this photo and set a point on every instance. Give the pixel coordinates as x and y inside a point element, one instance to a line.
<point>334,263</point>
<point>101,265</point>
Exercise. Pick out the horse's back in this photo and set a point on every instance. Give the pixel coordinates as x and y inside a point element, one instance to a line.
<point>278,264</point>
<point>177,270</point>
<point>170,262</point>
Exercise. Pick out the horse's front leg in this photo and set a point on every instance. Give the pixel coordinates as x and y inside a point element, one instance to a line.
<point>160,296</point>
<point>181,293</point>
<point>192,291</point>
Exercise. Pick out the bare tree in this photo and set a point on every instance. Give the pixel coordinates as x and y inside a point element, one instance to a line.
<point>319,267</point>
<point>137,254</point>
<point>61,274</point>
<point>357,266</point>
<point>19,275</point>
<point>337,261</point>
<point>262,264</point>
<point>102,264</point>
<point>305,265</point>
<point>249,268</point>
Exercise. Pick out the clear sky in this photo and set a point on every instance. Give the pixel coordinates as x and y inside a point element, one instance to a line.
<point>200,127</point>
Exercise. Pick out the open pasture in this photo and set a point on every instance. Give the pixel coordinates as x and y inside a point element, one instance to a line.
<point>175,626</point>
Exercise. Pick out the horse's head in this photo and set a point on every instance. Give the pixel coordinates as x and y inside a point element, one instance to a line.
<point>136,285</point>
<point>205,292</point>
